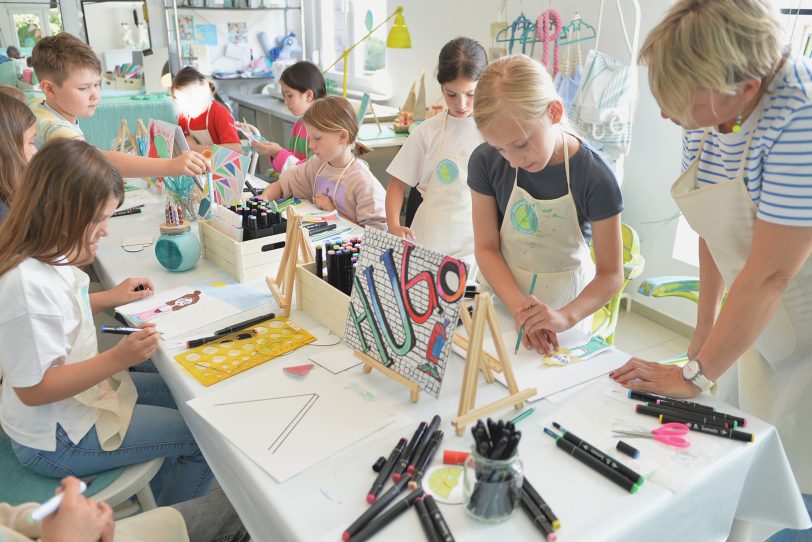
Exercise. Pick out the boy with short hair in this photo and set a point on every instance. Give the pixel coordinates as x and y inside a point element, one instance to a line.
<point>69,74</point>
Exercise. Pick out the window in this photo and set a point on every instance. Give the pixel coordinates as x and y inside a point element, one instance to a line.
<point>343,23</point>
<point>31,24</point>
<point>686,244</point>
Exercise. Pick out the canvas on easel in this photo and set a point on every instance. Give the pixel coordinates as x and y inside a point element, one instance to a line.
<point>403,310</point>
<point>476,360</point>
<point>297,251</point>
<point>229,169</point>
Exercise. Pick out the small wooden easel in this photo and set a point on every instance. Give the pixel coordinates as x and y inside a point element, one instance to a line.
<point>476,360</point>
<point>123,137</point>
<point>372,363</point>
<point>297,250</point>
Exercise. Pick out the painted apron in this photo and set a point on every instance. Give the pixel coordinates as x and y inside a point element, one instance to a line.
<point>203,137</point>
<point>443,220</point>
<point>544,237</point>
<point>323,185</point>
<point>775,375</point>
<point>115,398</point>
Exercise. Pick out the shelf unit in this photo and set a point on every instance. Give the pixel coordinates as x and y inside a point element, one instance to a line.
<point>171,8</point>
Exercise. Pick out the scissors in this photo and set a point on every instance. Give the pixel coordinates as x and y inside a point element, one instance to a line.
<point>668,433</point>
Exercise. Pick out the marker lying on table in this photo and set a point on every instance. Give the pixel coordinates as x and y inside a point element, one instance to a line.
<point>128,211</point>
<point>697,417</point>
<point>593,462</point>
<point>710,429</point>
<point>542,505</point>
<point>425,521</point>
<point>522,415</point>
<point>606,459</point>
<point>119,330</point>
<point>388,516</point>
<point>386,470</point>
<point>52,505</point>
<point>379,504</point>
<point>739,421</point>
<point>646,397</point>
<point>439,521</point>
<point>537,517</point>
<point>247,323</point>
<point>405,459</point>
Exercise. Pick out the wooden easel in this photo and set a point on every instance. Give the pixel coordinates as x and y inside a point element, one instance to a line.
<point>125,136</point>
<point>476,360</point>
<point>372,363</point>
<point>297,250</point>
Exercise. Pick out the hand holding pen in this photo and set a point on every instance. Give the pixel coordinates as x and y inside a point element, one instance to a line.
<point>84,519</point>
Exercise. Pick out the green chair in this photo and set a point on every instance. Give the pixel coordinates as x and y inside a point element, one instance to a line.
<point>604,321</point>
<point>672,286</point>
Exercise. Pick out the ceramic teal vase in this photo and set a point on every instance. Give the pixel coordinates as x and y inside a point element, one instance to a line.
<point>177,248</point>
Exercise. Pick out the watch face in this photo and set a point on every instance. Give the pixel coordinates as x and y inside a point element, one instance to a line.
<point>690,370</point>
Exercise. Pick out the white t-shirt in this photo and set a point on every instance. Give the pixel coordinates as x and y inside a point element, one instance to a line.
<point>39,322</point>
<point>414,163</point>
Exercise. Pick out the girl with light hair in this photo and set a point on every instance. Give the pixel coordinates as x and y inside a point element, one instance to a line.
<point>716,67</point>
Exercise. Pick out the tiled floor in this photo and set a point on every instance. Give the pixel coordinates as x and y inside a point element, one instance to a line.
<point>646,339</point>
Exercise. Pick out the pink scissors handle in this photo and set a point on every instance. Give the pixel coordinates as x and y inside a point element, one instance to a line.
<point>672,429</point>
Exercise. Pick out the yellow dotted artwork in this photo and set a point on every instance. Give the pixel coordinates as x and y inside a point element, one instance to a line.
<point>239,351</point>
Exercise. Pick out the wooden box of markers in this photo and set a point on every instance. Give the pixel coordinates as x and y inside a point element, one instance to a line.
<point>318,298</point>
<point>245,261</point>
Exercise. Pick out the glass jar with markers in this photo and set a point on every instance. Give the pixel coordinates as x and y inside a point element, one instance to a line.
<point>494,473</point>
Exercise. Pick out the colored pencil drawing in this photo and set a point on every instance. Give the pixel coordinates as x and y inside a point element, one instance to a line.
<point>173,305</point>
<point>229,169</point>
<point>404,307</point>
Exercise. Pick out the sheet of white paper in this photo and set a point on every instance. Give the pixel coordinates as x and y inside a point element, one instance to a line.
<point>179,311</point>
<point>138,197</point>
<point>336,360</point>
<point>594,416</point>
<point>287,424</point>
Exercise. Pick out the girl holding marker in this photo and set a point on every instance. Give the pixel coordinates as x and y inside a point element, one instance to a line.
<point>434,160</point>
<point>68,409</point>
<point>539,195</point>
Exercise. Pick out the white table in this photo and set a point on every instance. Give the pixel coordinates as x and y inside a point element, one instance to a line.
<point>748,485</point>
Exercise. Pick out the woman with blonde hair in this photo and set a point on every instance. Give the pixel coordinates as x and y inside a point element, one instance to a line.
<point>539,194</point>
<point>717,69</point>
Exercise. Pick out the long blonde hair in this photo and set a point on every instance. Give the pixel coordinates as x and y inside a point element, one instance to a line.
<point>332,114</point>
<point>514,85</point>
<point>67,184</point>
<point>711,45</point>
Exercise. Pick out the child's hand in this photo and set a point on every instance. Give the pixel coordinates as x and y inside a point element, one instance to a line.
<point>248,128</point>
<point>542,341</point>
<point>267,149</point>
<point>131,289</point>
<point>324,202</point>
<point>78,519</point>
<point>188,163</point>
<point>402,231</point>
<point>535,315</point>
<point>138,347</point>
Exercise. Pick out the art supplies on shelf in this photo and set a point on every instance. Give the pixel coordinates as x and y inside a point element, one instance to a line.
<point>232,354</point>
<point>337,263</point>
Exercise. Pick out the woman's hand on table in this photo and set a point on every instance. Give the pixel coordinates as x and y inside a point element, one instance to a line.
<point>641,375</point>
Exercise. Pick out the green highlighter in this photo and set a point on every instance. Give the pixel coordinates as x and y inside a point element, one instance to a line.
<point>521,329</point>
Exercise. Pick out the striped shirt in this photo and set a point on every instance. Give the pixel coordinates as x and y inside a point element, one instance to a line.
<point>778,170</point>
<point>297,152</point>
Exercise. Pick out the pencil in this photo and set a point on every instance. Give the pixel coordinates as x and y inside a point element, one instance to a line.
<point>521,329</point>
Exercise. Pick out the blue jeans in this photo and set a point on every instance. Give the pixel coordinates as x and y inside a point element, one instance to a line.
<point>156,430</point>
<point>792,535</point>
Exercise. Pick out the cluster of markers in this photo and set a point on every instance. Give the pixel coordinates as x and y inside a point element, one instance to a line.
<point>173,213</point>
<point>260,218</point>
<point>405,465</point>
<point>696,416</point>
<point>338,263</point>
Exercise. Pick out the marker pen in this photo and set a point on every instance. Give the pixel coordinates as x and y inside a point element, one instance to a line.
<point>439,521</point>
<point>386,470</point>
<point>732,434</point>
<point>424,442</point>
<point>740,422</point>
<point>51,505</point>
<point>119,330</point>
<point>697,417</point>
<point>426,522</point>
<point>381,503</point>
<point>404,460</point>
<point>606,459</point>
<point>542,505</point>
<point>387,517</point>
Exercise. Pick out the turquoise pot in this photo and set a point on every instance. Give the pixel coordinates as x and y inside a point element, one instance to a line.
<point>177,249</point>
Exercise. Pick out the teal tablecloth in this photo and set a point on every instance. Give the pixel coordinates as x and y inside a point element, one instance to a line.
<point>102,128</point>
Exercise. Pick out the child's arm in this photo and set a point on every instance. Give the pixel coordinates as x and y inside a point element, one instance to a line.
<point>395,193</point>
<point>63,381</point>
<point>297,182</point>
<point>370,199</point>
<point>128,291</point>
<point>128,165</point>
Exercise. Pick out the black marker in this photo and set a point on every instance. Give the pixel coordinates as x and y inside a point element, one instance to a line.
<point>606,459</point>
<point>740,422</point>
<point>387,517</point>
<point>247,323</point>
<point>593,463</point>
<point>439,520</point>
<point>320,261</point>
<point>542,505</point>
<point>425,461</point>
<point>373,510</point>
<point>425,521</point>
<point>646,397</point>
<point>710,429</point>
<point>406,458</point>
<point>386,470</point>
<point>537,517</point>
<point>424,442</point>
<point>119,330</point>
<point>693,416</point>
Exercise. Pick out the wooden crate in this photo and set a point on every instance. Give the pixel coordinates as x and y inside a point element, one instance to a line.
<point>245,261</point>
<point>317,298</point>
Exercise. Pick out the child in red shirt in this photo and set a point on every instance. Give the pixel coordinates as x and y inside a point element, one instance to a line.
<point>203,119</point>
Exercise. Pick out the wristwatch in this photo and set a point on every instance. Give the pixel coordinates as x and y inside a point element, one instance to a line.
<point>692,372</point>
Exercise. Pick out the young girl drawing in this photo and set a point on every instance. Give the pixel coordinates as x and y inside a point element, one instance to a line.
<point>334,178</point>
<point>302,84</point>
<point>68,409</point>
<point>434,159</point>
<point>18,125</point>
<point>203,119</point>
<point>539,194</point>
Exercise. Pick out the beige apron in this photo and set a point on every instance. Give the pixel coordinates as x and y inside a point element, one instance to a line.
<point>203,137</point>
<point>443,220</point>
<point>544,237</point>
<point>775,375</point>
<point>115,397</point>
<point>321,186</point>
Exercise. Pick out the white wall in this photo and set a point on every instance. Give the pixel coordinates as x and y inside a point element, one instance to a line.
<point>103,21</point>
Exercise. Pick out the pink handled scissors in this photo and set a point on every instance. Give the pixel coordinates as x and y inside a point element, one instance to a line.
<point>669,433</point>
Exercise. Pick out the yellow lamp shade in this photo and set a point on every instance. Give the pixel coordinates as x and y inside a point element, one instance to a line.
<point>399,37</point>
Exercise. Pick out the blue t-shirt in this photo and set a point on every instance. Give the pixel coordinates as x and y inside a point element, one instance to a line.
<point>594,186</point>
<point>778,169</point>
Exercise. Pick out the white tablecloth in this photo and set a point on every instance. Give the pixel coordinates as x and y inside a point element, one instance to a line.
<point>750,484</point>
